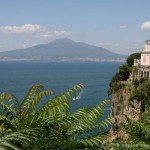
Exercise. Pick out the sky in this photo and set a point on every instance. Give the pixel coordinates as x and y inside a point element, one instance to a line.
<point>121,26</point>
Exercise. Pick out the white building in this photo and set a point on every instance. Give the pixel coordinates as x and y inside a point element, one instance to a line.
<point>145,54</point>
<point>144,63</point>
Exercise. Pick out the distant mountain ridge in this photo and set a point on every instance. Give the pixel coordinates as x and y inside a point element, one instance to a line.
<point>62,50</point>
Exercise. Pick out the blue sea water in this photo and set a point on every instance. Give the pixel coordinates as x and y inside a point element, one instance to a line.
<point>18,77</point>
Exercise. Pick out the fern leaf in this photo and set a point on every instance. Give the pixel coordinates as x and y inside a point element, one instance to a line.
<point>22,137</point>
<point>92,141</point>
<point>60,103</point>
<point>35,101</point>
<point>33,91</point>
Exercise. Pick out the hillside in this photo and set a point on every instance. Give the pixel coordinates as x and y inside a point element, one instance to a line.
<point>62,50</point>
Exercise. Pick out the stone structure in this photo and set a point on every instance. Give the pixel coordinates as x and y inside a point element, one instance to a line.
<point>143,64</point>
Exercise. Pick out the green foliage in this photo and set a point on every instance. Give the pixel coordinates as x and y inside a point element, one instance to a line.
<point>137,83</point>
<point>115,87</point>
<point>19,140</point>
<point>130,59</point>
<point>115,83</point>
<point>116,78</point>
<point>124,72</point>
<point>138,131</point>
<point>52,125</point>
<point>141,92</point>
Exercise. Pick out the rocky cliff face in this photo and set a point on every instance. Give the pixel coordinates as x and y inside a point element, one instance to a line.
<point>120,100</point>
<point>121,105</point>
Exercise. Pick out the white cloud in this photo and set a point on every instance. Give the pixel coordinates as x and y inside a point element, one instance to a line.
<point>27,28</point>
<point>53,34</point>
<point>61,32</point>
<point>146,26</point>
<point>35,30</point>
<point>123,26</point>
<point>45,35</point>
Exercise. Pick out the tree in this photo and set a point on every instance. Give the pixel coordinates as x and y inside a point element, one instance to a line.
<point>121,75</point>
<point>52,125</point>
<point>124,72</point>
<point>130,59</point>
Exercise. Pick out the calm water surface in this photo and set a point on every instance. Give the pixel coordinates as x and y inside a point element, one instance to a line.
<point>18,77</point>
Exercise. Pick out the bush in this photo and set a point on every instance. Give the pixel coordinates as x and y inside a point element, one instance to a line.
<point>115,87</point>
<point>142,92</point>
<point>124,72</point>
<point>122,75</point>
<point>130,59</point>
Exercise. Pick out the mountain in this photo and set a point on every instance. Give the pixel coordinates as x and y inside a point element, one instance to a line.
<point>62,50</point>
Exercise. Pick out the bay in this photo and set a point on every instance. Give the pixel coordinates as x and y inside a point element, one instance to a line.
<point>18,77</point>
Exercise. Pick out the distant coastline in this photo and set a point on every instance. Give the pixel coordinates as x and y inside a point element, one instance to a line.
<point>64,59</point>
<point>63,50</point>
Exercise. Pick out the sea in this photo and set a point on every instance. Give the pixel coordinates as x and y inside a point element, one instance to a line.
<point>18,77</point>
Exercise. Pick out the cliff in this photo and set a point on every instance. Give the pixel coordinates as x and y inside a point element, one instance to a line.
<point>130,110</point>
<point>125,102</point>
<point>121,105</point>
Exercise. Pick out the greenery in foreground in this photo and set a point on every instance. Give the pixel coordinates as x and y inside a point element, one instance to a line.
<point>27,126</point>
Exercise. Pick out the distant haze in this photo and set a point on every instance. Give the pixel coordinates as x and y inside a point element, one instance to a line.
<point>62,50</point>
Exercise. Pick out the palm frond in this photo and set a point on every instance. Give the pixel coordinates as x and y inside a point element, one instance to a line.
<point>33,91</point>
<point>32,98</point>
<point>20,139</point>
<point>60,103</point>
<point>82,121</point>
<point>91,142</point>
<point>31,106</point>
<point>138,128</point>
<point>85,117</point>
<point>8,102</point>
<point>53,126</point>
<point>53,109</point>
<point>68,95</point>
<point>8,110</point>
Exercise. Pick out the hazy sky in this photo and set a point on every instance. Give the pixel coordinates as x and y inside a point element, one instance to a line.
<point>121,26</point>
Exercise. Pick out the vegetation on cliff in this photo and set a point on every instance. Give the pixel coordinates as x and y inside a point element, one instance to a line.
<point>134,132</point>
<point>123,74</point>
<point>137,132</point>
<point>30,126</point>
<point>130,59</point>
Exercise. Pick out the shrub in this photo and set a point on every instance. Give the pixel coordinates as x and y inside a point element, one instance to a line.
<point>124,72</point>
<point>130,59</point>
